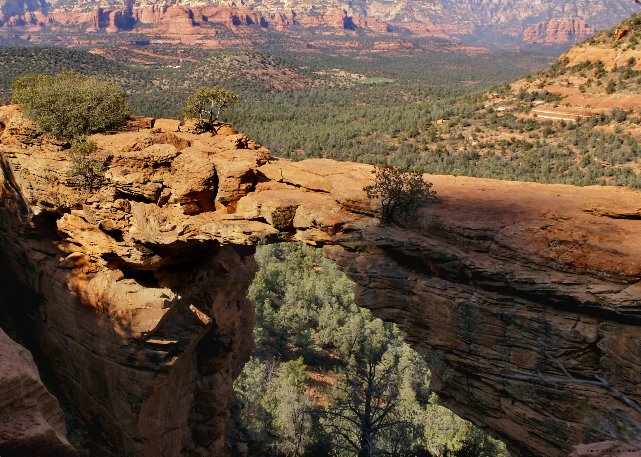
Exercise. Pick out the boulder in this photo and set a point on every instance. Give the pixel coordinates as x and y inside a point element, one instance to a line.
<point>620,33</point>
<point>193,177</point>
<point>140,122</point>
<point>226,130</point>
<point>167,125</point>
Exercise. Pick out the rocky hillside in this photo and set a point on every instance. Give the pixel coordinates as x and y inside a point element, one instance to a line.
<point>504,22</point>
<point>599,77</point>
<point>576,122</point>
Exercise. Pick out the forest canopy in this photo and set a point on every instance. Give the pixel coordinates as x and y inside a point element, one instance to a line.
<point>319,358</point>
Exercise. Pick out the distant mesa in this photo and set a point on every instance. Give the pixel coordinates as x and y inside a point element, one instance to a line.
<point>558,31</point>
<point>439,20</point>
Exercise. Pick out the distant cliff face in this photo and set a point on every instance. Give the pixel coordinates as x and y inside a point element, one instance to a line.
<point>554,22</point>
<point>559,31</point>
<point>135,292</point>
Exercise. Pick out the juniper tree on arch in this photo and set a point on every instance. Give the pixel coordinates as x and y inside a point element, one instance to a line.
<point>401,192</point>
<point>206,104</point>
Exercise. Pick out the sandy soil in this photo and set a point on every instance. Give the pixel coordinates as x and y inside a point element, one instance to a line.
<point>605,102</point>
<point>316,383</point>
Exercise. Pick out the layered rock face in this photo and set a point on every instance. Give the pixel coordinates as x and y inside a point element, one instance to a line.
<point>554,22</point>
<point>559,30</point>
<point>496,277</point>
<point>135,291</point>
<point>142,319</point>
<point>31,421</point>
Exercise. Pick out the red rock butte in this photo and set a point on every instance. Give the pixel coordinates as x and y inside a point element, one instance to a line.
<point>135,292</point>
<point>189,20</point>
<point>186,20</point>
<point>559,30</point>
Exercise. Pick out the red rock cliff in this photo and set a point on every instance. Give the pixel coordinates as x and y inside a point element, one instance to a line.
<point>559,30</point>
<point>137,289</point>
<point>31,421</point>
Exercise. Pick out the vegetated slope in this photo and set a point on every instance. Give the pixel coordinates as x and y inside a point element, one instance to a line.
<point>21,61</point>
<point>250,70</point>
<point>309,335</point>
<point>576,122</point>
<point>430,66</point>
<point>357,122</point>
<point>141,84</point>
<point>247,71</point>
<point>160,90</point>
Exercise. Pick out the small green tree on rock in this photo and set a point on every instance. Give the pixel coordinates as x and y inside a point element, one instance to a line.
<point>206,105</point>
<point>70,105</point>
<point>86,171</point>
<point>401,192</point>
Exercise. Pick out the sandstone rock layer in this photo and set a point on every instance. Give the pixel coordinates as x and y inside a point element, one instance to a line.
<point>31,421</point>
<point>485,22</point>
<point>143,321</point>
<point>137,288</point>
<point>497,276</point>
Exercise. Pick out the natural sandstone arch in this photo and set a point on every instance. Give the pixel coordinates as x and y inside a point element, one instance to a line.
<point>142,310</point>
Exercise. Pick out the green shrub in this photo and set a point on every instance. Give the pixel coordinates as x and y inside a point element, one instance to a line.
<point>77,435</point>
<point>295,372</point>
<point>86,171</point>
<point>401,192</point>
<point>611,87</point>
<point>70,105</point>
<point>82,147</point>
<point>619,115</point>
